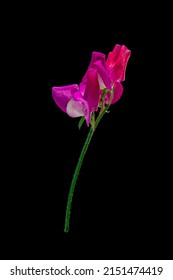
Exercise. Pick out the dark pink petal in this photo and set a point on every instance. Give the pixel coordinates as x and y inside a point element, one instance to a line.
<point>96,56</point>
<point>113,56</point>
<point>62,95</point>
<point>92,94</point>
<point>98,62</point>
<point>92,91</point>
<point>117,62</point>
<point>103,75</point>
<point>118,90</point>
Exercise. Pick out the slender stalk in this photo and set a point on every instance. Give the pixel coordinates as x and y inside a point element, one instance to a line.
<point>78,167</point>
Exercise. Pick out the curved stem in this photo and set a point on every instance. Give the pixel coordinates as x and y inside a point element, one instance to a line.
<point>78,167</point>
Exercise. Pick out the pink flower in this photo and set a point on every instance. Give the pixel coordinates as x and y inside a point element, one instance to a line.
<point>80,100</point>
<point>112,71</point>
<point>84,99</point>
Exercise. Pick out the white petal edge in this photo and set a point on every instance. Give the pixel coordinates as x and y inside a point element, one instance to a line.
<point>101,83</point>
<point>75,109</point>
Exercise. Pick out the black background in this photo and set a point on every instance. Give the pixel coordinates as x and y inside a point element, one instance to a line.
<point>121,207</point>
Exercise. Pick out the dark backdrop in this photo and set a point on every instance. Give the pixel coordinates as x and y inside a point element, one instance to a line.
<point>121,207</point>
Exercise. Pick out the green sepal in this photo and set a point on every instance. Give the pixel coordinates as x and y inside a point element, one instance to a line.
<point>92,120</point>
<point>82,119</point>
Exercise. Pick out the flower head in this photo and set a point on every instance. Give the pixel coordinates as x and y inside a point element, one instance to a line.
<point>80,100</point>
<point>101,74</point>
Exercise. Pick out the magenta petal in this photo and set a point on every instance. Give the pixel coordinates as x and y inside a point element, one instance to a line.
<point>103,74</point>
<point>117,62</point>
<point>118,90</point>
<point>98,62</point>
<point>92,94</point>
<point>82,87</point>
<point>62,95</point>
<point>92,91</point>
<point>96,56</point>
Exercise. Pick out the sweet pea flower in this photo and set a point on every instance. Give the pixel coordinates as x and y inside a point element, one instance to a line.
<point>100,87</point>
<point>80,100</point>
<point>101,74</point>
<point>111,71</point>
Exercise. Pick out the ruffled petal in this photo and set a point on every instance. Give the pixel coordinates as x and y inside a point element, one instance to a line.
<point>62,95</point>
<point>117,62</point>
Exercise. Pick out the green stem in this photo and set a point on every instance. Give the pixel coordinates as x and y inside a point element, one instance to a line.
<point>78,167</point>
